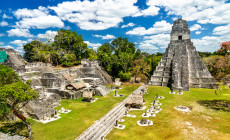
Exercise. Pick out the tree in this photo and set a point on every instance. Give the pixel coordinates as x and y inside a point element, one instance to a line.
<point>224,48</point>
<point>7,75</point>
<point>68,60</point>
<point>14,95</point>
<point>92,55</point>
<point>140,68</point>
<point>31,49</point>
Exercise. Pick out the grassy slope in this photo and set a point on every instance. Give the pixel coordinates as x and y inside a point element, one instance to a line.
<point>172,124</point>
<point>82,116</point>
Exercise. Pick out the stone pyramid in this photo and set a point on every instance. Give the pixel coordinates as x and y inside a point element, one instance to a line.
<point>181,66</point>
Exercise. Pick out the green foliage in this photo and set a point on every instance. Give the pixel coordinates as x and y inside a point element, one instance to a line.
<point>205,54</point>
<point>13,91</point>
<point>14,94</point>
<point>124,76</point>
<point>219,66</point>
<point>68,60</point>
<point>7,75</point>
<point>16,128</point>
<point>65,42</point>
<point>92,54</point>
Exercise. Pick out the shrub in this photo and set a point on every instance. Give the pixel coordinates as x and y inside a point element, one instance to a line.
<point>124,76</point>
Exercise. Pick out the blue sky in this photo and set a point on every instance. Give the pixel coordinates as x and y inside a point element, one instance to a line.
<point>147,23</point>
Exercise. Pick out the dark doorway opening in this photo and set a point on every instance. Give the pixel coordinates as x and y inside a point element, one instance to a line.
<point>180,37</point>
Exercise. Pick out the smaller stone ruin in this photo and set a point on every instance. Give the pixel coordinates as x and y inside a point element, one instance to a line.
<point>144,122</point>
<point>136,100</point>
<point>117,82</point>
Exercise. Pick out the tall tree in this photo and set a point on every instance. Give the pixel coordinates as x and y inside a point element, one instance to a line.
<point>14,95</point>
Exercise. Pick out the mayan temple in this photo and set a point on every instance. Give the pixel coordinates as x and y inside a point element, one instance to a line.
<point>181,66</point>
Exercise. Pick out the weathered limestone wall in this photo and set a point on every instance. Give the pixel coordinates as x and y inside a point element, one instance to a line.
<point>103,126</point>
<point>104,76</point>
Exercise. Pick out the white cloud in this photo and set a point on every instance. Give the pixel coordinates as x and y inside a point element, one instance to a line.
<point>161,40</point>
<point>158,28</point>
<point>37,18</point>
<point>195,27</point>
<point>92,45</point>
<point>49,35</point>
<point>5,16</point>
<point>1,43</point>
<point>2,34</point>
<point>198,32</point>
<point>151,44</point>
<point>105,37</point>
<point>19,33</point>
<point>19,49</point>
<point>96,15</point>
<point>3,23</point>
<point>210,43</point>
<point>29,40</point>
<point>27,13</point>
<point>7,47</point>
<point>41,22</point>
<point>128,25</point>
<point>208,11</point>
<point>222,30</point>
<point>150,11</point>
<point>19,43</point>
<point>147,46</point>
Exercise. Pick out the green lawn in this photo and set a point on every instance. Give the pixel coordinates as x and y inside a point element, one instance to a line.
<point>82,116</point>
<point>200,123</point>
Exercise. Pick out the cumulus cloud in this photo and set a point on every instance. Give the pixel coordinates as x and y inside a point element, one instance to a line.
<point>150,11</point>
<point>49,35</point>
<point>128,25</point>
<point>161,40</point>
<point>222,30</point>
<point>210,43</point>
<point>158,28</point>
<point>19,33</point>
<point>198,32</point>
<point>3,23</point>
<point>93,45</point>
<point>5,16</point>
<point>37,18</point>
<point>27,13</point>
<point>19,43</point>
<point>7,47</point>
<point>195,27</point>
<point>1,43</point>
<point>19,49</point>
<point>96,15</point>
<point>208,11</point>
<point>105,37</point>
<point>147,46</point>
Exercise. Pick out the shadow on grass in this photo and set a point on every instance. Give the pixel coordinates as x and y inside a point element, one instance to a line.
<point>15,128</point>
<point>216,104</point>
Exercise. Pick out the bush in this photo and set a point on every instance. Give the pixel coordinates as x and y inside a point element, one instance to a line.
<point>68,60</point>
<point>124,76</point>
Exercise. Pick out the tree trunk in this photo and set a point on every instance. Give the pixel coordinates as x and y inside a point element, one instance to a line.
<point>20,116</point>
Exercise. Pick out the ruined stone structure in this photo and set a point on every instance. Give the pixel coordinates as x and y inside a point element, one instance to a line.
<point>93,66</point>
<point>181,66</point>
<point>104,125</point>
<point>54,84</point>
<point>14,60</point>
